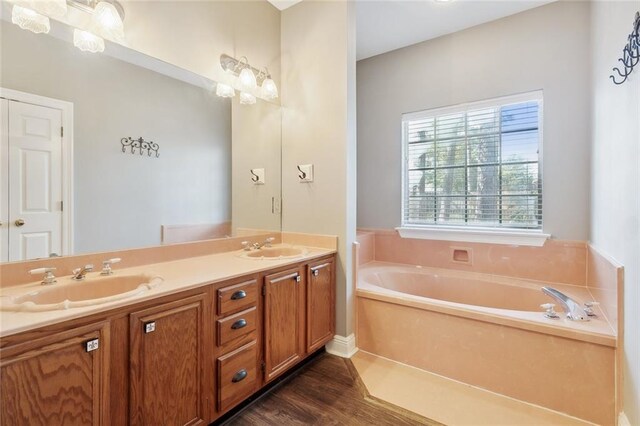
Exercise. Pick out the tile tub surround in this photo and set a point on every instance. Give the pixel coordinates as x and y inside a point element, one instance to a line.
<point>557,261</point>
<point>563,374</point>
<point>178,275</point>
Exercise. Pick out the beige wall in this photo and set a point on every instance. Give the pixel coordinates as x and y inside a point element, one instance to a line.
<point>318,64</point>
<point>543,48</point>
<point>615,182</point>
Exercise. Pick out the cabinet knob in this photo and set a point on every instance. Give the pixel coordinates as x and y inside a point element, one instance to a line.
<point>149,327</point>
<point>239,376</point>
<point>240,294</point>
<point>316,272</point>
<point>298,278</point>
<point>241,323</point>
<point>92,345</point>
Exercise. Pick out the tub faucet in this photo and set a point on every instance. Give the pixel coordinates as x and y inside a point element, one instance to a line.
<point>571,307</point>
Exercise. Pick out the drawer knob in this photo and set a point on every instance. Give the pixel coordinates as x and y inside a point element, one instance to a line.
<point>240,294</point>
<point>239,324</point>
<point>239,376</point>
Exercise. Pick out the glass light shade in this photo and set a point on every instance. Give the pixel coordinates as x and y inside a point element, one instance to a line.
<point>87,42</point>
<point>55,8</point>
<point>225,91</point>
<point>107,21</point>
<point>28,19</point>
<point>269,89</point>
<point>247,98</point>
<point>247,79</point>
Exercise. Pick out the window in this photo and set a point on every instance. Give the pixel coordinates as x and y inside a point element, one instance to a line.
<point>475,165</point>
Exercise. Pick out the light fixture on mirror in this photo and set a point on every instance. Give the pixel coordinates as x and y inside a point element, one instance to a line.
<point>247,98</point>
<point>107,20</point>
<point>224,90</point>
<point>87,42</point>
<point>29,19</point>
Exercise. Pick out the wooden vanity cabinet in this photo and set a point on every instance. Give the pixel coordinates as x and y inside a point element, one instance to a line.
<point>167,364</point>
<point>284,318</point>
<point>56,380</point>
<point>321,309</point>
<point>182,359</point>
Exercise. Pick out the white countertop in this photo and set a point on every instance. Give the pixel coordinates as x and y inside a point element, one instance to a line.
<point>178,275</point>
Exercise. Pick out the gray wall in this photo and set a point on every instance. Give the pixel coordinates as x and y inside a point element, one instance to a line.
<point>615,183</point>
<point>121,200</point>
<point>544,48</point>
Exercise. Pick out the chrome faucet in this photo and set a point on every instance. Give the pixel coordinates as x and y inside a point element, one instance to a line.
<point>573,309</point>
<point>80,273</point>
<point>247,246</point>
<point>106,266</point>
<point>48,278</point>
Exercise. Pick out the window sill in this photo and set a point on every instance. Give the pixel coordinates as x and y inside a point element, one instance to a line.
<point>475,235</point>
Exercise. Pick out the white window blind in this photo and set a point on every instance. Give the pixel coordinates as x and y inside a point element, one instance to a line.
<point>475,165</point>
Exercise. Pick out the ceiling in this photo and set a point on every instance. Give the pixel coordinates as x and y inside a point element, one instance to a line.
<point>385,25</point>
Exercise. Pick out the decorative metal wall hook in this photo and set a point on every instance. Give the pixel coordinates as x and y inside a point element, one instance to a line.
<point>141,145</point>
<point>630,54</point>
<point>302,174</point>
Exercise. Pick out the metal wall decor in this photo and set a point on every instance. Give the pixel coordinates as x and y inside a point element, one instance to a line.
<point>141,145</point>
<point>630,54</point>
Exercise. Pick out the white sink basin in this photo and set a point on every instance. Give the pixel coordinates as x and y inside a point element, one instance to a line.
<point>275,252</point>
<point>66,294</point>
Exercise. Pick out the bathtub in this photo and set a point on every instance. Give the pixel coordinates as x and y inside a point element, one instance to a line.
<point>490,332</point>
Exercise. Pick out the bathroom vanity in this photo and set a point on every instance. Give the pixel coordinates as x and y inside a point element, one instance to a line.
<point>182,354</point>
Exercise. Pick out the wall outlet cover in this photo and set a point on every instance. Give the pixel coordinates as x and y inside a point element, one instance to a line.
<point>305,173</point>
<point>257,176</point>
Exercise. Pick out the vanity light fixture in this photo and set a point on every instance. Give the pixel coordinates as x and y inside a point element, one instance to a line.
<point>107,20</point>
<point>87,42</point>
<point>247,79</point>
<point>247,98</point>
<point>269,88</point>
<point>29,19</point>
<point>224,90</point>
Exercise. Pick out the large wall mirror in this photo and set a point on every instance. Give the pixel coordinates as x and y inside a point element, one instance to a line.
<point>76,177</point>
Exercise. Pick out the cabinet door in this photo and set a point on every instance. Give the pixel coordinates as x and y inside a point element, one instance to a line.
<point>283,321</point>
<point>320,304</point>
<point>166,364</point>
<point>61,380</point>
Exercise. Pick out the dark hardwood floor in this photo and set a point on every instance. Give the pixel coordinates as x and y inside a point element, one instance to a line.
<point>328,391</point>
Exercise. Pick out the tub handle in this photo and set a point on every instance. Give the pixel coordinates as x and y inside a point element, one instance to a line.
<point>549,311</point>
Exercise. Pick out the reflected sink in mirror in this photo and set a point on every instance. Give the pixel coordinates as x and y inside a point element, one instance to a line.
<point>275,252</point>
<point>94,290</point>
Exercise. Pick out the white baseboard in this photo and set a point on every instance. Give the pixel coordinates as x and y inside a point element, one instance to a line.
<point>623,420</point>
<point>341,346</point>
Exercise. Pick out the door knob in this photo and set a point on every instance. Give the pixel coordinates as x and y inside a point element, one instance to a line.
<point>19,222</point>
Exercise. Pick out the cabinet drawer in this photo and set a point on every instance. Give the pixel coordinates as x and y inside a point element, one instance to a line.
<point>236,326</point>
<point>237,297</point>
<point>237,376</point>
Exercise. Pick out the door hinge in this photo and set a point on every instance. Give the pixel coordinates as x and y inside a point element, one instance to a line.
<point>263,366</point>
<point>61,132</point>
<point>61,206</point>
<point>264,289</point>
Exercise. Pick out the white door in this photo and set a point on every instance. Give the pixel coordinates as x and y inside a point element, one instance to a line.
<point>35,181</point>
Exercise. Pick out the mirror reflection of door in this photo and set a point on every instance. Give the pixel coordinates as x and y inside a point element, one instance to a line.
<point>32,177</point>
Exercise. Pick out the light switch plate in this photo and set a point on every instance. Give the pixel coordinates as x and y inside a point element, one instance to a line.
<point>257,176</point>
<point>305,173</point>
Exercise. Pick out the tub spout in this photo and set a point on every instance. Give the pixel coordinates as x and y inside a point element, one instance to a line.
<point>571,307</point>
